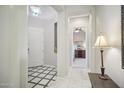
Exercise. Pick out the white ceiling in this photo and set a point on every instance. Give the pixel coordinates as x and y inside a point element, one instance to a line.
<point>47,12</point>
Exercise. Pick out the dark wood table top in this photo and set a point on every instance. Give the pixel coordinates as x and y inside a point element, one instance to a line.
<point>96,82</point>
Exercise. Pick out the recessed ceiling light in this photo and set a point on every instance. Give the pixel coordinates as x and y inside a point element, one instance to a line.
<point>35,10</point>
<point>76,31</point>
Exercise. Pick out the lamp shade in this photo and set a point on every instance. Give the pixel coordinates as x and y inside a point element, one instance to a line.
<point>101,42</point>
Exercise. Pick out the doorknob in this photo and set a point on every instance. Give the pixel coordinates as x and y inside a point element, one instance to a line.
<point>28,50</point>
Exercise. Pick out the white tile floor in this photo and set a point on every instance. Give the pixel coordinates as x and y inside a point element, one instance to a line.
<point>76,78</point>
<point>79,62</point>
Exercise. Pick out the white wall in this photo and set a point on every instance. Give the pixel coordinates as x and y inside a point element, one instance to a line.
<point>36,22</point>
<point>62,60</point>
<point>108,20</point>
<point>50,58</point>
<point>13,46</point>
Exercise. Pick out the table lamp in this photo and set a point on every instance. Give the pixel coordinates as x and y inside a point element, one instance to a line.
<point>101,43</point>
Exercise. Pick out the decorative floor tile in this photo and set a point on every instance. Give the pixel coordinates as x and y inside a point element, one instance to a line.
<point>50,68</point>
<point>46,72</point>
<point>29,78</point>
<point>30,68</point>
<point>52,72</point>
<point>76,78</point>
<point>54,78</point>
<point>35,74</point>
<point>34,69</point>
<point>49,76</point>
<point>40,76</point>
<point>43,82</point>
<point>39,86</point>
<point>40,70</point>
<point>44,68</point>
<point>38,67</point>
<point>29,73</point>
<point>36,80</point>
<point>30,85</point>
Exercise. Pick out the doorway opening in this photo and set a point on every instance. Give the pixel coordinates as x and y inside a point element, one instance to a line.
<point>79,47</point>
<point>42,46</point>
<point>79,26</point>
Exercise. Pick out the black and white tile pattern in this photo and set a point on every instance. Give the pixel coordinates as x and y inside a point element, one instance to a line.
<point>41,76</point>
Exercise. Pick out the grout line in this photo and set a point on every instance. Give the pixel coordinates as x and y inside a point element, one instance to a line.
<point>37,75</point>
<point>51,79</point>
<point>42,77</point>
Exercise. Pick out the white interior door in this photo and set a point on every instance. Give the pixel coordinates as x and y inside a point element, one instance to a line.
<point>35,46</point>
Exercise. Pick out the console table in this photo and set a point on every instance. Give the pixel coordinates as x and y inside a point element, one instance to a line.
<point>96,82</point>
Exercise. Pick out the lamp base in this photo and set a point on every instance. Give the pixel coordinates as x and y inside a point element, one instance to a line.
<point>102,75</point>
<point>105,77</point>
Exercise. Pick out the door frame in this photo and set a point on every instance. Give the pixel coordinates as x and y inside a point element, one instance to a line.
<point>87,38</point>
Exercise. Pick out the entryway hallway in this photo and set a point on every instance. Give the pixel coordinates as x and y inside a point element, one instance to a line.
<point>51,38</point>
